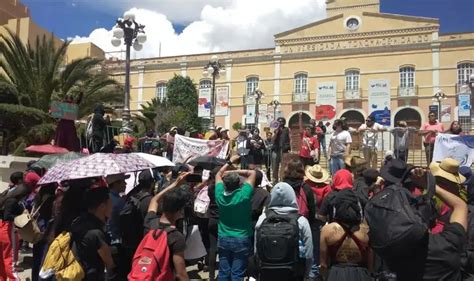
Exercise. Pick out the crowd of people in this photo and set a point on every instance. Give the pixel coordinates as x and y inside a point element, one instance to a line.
<point>257,216</point>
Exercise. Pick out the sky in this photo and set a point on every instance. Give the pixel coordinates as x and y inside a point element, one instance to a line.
<point>178,27</point>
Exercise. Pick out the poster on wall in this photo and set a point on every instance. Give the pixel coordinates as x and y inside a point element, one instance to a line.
<point>446,113</point>
<point>464,108</point>
<point>433,108</point>
<point>262,114</point>
<point>379,100</point>
<point>204,103</point>
<point>222,101</point>
<point>250,115</point>
<point>326,101</point>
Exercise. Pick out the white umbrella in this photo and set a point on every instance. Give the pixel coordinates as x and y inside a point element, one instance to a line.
<point>158,161</point>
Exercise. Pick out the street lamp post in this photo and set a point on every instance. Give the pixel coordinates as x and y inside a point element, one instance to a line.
<point>274,104</point>
<point>133,35</point>
<point>258,95</point>
<point>439,96</point>
<point>213,68</point>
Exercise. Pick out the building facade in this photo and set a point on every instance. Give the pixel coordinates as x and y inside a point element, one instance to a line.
<point>337,62</point>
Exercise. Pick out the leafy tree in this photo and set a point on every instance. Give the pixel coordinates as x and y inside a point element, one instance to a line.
<point>33,75</point>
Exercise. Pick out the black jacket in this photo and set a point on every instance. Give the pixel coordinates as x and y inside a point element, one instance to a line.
<point>296,184</point>
<point>282,140</point>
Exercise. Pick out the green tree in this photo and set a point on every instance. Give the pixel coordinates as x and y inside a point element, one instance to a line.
<point>33,75</point>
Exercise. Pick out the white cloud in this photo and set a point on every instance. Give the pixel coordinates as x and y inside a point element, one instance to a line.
<point>241,24</point>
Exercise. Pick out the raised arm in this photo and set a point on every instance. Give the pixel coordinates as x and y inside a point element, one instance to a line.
<point>459,207</point>
<point>155,201</point>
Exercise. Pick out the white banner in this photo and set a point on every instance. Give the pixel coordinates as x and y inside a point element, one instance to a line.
<point>326,101</point>
<point>262,114</point>
<point>457,147</point>
<point>250,115</point>
<point>446,113</point>
<point>379,100</point>
<point>185,148</point>
<point>204,103</point>
<point>222,101</point>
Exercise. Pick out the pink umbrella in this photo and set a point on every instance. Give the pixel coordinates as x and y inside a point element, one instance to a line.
<point>96,165</point>
<point>46,149</point>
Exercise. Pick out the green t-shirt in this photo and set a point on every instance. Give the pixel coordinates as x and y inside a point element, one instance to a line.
<point>235,211</point>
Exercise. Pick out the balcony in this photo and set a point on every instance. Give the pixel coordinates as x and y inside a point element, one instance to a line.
<point>300,96</point>
<point>352,94</point>
<point>408,91</point>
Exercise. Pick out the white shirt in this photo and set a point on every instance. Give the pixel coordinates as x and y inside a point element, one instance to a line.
<point>370,137</point>
<point>338,142</point>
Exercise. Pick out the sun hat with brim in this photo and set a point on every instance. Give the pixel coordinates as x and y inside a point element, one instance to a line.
<point>316,174</point>
<point>114,178</point>
<point>394,171</point>
<point>447,169</point>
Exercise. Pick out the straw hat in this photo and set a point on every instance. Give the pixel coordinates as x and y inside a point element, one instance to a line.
<point>447,169</point>
<point>316,173</point>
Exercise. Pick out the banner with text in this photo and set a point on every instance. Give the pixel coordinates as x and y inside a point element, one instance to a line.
<point>188,148</point>
<point>379,100</point>
<point>326,101</point>
<point>457,147</point>
<point>464,107</point>
<point>204,103</point>
<point>222,101</point>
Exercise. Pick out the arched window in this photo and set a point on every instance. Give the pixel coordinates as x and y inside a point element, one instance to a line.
<point>252,85</point>
<point>352,80</point>
<point>407,77</point>
<point>464,71</point>
<point>160,90</point>
<point>205,83</point>
<point>301,83</point>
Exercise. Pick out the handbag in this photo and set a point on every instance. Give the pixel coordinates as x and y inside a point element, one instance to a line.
<point>27,226</point>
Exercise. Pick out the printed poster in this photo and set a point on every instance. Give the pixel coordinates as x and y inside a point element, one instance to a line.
<point>250,115</point>
<point>464,107</point>
<point>262,114</point>
<point>446,113</point>
<point>457,147</point>
<point>379,100</point>
<point>326,101</point>
<point>222,101</point>
<point>204,103</point>
<point>185,148</point>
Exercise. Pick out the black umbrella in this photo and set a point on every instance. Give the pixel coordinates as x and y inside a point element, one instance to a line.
<point>207,162</point>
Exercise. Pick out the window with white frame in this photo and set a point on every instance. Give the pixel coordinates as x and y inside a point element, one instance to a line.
<point>352,80</point>
<point>301,83</point>
<point>160,90</point>
<point>407,77</point>
<point>464,71</point>
<point>206,83</point>
<point>252,85</point>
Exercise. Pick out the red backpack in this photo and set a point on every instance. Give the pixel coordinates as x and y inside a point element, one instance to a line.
<point>152,259</point>
<point>302,201</point>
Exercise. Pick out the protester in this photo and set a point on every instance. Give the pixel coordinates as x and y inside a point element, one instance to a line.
<point>283,205</point>
<point>213,211</point>
<point>89,237</point>
<point>339,146</point>
<point>169,137</point>
<point>345,251</point>
<point>401,140</point>
<point>268,153</point>
<point>235,228</point>
<point>309,151</point>
<point>322,138</point>
<point>281,146</point>
<point>429,130</point>
<point>65,135</point>
<point>225,134</point>
<point>318,179</point>
<point>98,124</point>
<point>340,181</point>
<point>370,131</point>
<point>455,129</point>
<point>260,197</point>
<point>243,149</point>
<point>257,148</point>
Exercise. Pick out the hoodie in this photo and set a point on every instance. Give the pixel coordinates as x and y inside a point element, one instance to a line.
<point>283,202</point>
<point>297,184</point>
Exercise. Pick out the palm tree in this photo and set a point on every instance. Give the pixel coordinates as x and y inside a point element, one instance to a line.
<point>33,75</point>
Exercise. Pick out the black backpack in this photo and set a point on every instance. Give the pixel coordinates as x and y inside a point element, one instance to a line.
<point>131,221</point>
<point>278,242</point>
<point>398,221</point>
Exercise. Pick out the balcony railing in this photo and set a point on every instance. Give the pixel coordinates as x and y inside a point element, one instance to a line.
<point>300,96</point>
<point>408,91</point>
<point>352,94</point>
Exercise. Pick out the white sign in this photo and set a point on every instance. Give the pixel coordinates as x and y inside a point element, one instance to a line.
<point>457,147</point>
<point>446,113</point>
<point>250,116</point>
<point>326,101</point>
<point>262,113</point>
<point>379,100</point>
<point>204,103</point>
<point>222,101</point>
<point>185,148</point>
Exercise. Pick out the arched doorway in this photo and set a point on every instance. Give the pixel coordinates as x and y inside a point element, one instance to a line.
<point>413,119</point>
<point>354,119</point>
<point>293,124</point>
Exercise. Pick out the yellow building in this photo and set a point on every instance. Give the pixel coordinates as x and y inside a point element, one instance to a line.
<point>16,17</point>
<point>354,47</point>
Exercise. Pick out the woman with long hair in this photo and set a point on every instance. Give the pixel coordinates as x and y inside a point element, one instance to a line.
<point>455,129</point>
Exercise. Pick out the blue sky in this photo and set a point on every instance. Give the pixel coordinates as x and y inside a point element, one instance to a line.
<point>68,18</point>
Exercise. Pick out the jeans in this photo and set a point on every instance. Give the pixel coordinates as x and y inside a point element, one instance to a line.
<point>322,142</point>
<point>370,155</point>
<point>335,164</point>
<point>276,160</point>
<point>429,148</point>
<point>234,253</point>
